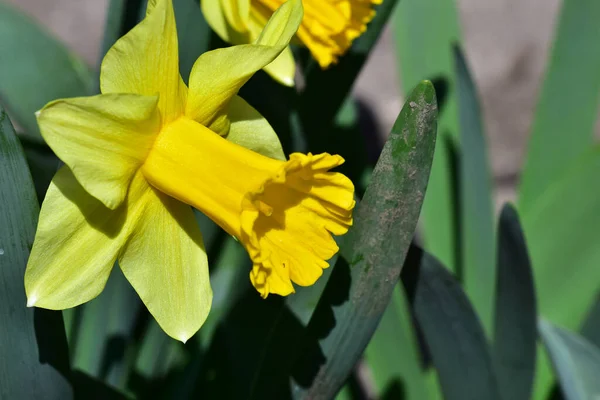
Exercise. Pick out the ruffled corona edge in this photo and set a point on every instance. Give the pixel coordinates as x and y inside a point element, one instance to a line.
<point>287,223</point>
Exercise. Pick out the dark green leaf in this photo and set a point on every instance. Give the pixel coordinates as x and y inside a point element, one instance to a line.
<point>89,388</point>
<point>516,311</point>
<point>451,330</point>
<point>34,362</point>
<point>576,361</point>
<point>478,252</point>
<point>563,125</point>
<point>358,292</point>
<point>35,69</point>
<point>425,32</point>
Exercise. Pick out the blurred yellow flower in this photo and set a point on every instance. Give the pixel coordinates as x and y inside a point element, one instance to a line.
<point>327,29</point>
<point>138,155</point>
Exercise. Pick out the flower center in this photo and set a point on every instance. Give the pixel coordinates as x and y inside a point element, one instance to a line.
<point>283,212</point>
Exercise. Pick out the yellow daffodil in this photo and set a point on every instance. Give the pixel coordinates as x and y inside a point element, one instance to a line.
<point>145,150</point>
<point>327,29</point>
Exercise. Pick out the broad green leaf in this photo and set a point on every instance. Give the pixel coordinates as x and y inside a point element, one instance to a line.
<point>478,267</point>
<point>576,361</point>
<point>42,163</point>
<point>35,361</point>
<point>451,330</point>
<point>35,69</point>
<point>563,229</point>
<point>358,291</point>
<point>516,311</point>
<point>393,355</point>
<point>567,109</point>
<point>426,53</point>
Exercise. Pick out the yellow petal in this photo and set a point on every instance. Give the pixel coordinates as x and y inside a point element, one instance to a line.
<point>283,68</point>
<point>215,16</point>
<point>75,247</point>
<point>328,27</point>
<point>252,131</point>
<point>237,13</point>
<point>165,261</point>
<point>218,75</point>
<point>103,139</point>
<point>284,213</point>
<point>145,61</point>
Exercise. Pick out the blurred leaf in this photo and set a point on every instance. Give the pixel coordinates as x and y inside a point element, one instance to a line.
<point>427,54</point>
<point>451,330</point>
<point>35,69</point>
<point>563,124</point>
<point>358,293</point>
<point>34,362</point>
<point>516,311</point>
<point>393,355</point>
<point>575,360</point>
<point>563,230</point>
<point>478,252</point>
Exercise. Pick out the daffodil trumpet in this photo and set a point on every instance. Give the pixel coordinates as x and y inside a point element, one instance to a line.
<point>140,155</point>
<point>328,28</point>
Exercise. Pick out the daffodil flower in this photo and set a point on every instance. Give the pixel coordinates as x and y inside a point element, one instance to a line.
<point>327,30</point>
<point>145,150</point>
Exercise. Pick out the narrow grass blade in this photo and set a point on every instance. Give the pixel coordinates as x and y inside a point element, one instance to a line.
<point>576,361</point>
<point>516,311</point>
<point>478,248</point>
<point>358,292</point>
<point>426,53</point>
<point>451,330</point>
<point>35,360</point>
<point>35,69</point>
<point>563,124</point>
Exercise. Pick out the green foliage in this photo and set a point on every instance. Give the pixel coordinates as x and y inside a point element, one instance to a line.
<point>455,318</point>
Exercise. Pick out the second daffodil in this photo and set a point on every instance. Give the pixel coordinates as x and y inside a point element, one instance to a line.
<point>327,30</point>
<point>145,150</point>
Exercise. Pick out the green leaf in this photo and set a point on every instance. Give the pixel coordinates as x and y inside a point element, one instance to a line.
<point>576,361</point>
<point>35,69</point>
<point>427,54</point>
<point>451,330</point>
<point>478,250</point>
<point>563,229</point>
<point>570,205</point>
<point>567,110</point>
<point>393,356</point>
<point>358,292</point>
<point>516,311</point>
<point>34,362</point>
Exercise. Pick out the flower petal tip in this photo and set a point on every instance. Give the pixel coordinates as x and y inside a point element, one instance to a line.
<point>31,301</point>
<point>38,113</point>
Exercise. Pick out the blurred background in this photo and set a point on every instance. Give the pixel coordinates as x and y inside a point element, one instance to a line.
<point>506,43</point>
